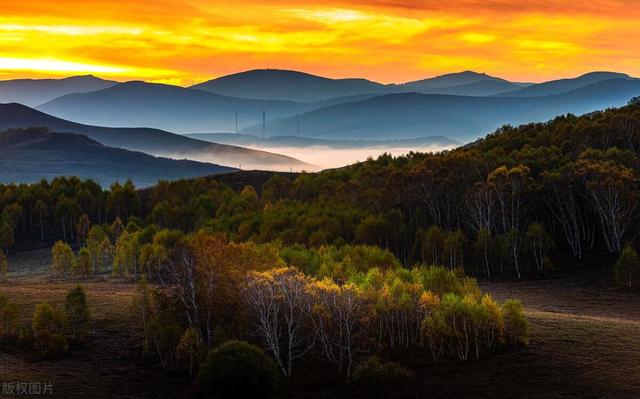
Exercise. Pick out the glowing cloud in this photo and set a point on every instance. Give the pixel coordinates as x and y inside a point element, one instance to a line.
<point>186,41</point>
<point>52,65</point>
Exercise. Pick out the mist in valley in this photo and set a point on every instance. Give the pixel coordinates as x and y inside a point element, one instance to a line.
<point>325,157</point>
<point>313,158</point>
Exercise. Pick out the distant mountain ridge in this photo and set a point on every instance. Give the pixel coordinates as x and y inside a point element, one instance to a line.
<point>303,87</point>
<point>173,108</point>
<point>462,118</point>
<point>151,141</point>
<point>562,86</point>
<point>32,92</point>
<point>279,84</point>
<point>460,105</point>
<point>33,154</point>
<point>481,88</point>
<point>452,80</point>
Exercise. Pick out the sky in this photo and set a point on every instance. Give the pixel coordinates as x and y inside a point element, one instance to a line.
<point>189,41</point>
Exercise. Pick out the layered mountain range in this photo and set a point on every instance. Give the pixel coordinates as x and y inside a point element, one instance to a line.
<point>151,141</point>
<point>460,106</point>
<point>279,108</point>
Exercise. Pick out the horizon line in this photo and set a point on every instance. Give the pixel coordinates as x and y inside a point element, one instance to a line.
<point>204,80</point>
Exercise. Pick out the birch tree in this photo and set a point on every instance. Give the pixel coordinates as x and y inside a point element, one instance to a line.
<point>611,189</point>
<point>338,318</point>
<point>283,315</point>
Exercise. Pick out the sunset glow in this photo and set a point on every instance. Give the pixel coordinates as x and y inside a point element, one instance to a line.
<point>188,41</point>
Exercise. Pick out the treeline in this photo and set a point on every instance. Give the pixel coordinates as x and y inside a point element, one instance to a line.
<point>50,211</point>
<point>522,201</point>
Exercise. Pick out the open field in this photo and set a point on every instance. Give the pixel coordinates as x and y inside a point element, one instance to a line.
<point>585,343</point>
<point>109,365</point>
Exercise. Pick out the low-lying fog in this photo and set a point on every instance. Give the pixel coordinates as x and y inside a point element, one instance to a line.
<point>325,157</point>
<point>317,157</point>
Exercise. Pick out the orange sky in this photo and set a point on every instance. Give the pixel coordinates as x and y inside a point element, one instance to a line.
<point>188,41</point>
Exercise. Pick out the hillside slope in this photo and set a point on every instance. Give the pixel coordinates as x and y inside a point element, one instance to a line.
<point>278,84</point>
<point>31,155</point>
<point>482,88</point>
<point>440,84</point>
<point>151,141</point>
<point>34,92</point>
<point>562,86</point>
<point>401,116</point>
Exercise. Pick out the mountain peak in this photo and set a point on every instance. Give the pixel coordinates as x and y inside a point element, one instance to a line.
<point>271,72</point>
<point>466,73</point>
<point>450,80</point>
<point>33,92</point>
<point>560,86</point>
<point>283,84</point>
<point>604,75</point>
<point>76,77</point>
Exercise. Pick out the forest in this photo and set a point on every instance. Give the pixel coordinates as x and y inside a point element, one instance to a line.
<point>355,267</point>
<point>524,201</point>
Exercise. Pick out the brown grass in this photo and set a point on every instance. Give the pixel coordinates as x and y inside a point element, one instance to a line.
<point>585,343</point>
<point>109,365</point>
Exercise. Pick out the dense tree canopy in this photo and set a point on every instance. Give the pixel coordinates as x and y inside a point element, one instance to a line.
<point>522,201</point>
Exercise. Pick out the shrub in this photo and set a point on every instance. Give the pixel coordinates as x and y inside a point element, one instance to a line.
<point>82,266</point>
<point>436,331</point>
<point>440,280</point>
<point>9,319</point>
<point>374,378</point>
<point>7,239</point>
<point>156,313</point>
<point>4,265</point>
<point>238,370</point>
<point>515,322</point>
<point>63,258</point>
<point>48,327</point>
<point>188,350</point>
<point>77,312</point>
<point>627,269</point>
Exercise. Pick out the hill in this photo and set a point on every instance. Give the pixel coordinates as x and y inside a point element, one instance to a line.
<point>438,84</point>
<point>562,86</point>
<point>173,108</point>
<point>152,141</point>
<point>561,174</point>
<point>462,118</point>
<point>481,88</point>
<point>27,156</point>
<point>276,84</point>
<point>402,116</point>
<point>34,92</point>
<point>299,86</point>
